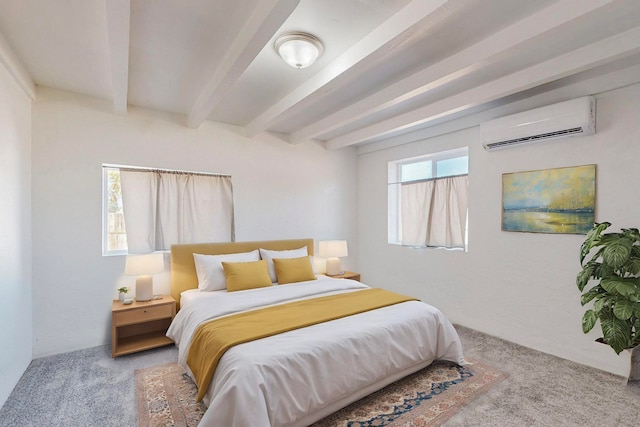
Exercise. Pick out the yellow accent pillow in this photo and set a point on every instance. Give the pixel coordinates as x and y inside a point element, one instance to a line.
<point>246,275</point>
<point>291,270</point>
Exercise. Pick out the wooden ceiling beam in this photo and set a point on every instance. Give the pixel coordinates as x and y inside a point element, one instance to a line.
<point>456,66</point>
<point>590,56</point>
<point>265,20</point>
<point>390,33</point>
<point>118,14</point>
<point>16,69</point>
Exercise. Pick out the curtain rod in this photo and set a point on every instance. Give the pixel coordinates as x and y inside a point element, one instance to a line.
<point>144,169</point>
<point>429,179</point>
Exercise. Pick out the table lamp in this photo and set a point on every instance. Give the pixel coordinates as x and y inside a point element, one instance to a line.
<point>144,266</point>
<point>333,250</point>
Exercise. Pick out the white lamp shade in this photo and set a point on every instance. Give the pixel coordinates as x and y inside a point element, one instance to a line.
<point>140,265</point>
<point>299,50</point>
<point>333,248</point>
<point>144,266</point>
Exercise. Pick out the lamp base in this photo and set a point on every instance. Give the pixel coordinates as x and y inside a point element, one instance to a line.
<point>333,267</point>
<point>144,288</point>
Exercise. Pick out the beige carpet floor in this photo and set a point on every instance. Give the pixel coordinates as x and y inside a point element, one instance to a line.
<point>89,388</point>
<point>544,390</point>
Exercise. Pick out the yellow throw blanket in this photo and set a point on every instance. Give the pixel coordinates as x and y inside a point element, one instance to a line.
<point>213,338</point>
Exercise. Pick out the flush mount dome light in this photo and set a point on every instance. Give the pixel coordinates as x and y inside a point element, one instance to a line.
<point>299,50</point>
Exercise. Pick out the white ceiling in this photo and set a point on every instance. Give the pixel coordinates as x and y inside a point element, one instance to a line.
<point>389,67</point>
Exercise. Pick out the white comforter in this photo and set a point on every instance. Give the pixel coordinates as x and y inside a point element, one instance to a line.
<point>298,377</point>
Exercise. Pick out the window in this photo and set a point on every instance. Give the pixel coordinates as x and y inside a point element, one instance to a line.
<point>427,200</point>
<point>147,210</point>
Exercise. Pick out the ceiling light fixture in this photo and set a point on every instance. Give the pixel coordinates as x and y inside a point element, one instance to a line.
<point>299,50</point>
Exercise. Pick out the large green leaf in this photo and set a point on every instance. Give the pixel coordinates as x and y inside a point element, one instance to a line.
<point>588,321</point>
<point>632,233</point>
<point>592,237</point>
<point>616,332</point>
<point>591,294</point>
<point>633,265</point>
<point>619,286</point>
<point>617,252</point>
<point>601,303</point>
<point>585,274</point>
<point>604,271</point>
<point>623,309</point>
<point>628,287</point>
<point>636,309</point>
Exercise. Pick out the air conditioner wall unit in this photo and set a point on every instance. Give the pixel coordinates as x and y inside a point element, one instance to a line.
<point>568,118</point>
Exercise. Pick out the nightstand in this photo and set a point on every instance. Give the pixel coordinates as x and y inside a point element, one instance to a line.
<point>347,275</point>
<point>140,325</point>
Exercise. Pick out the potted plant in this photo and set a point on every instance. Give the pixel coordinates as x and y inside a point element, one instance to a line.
<point>122,292</point>
<point>614,266</point>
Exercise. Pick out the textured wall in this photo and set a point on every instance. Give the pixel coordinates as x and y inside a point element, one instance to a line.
<point>517,286</point>
<point>280,191</point>
<point>15,233</point>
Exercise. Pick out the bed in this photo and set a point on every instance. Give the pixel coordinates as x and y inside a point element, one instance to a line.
<point>300,376</point>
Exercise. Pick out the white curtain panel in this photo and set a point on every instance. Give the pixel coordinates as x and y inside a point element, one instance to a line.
<point>139,200</point>
<point>434,212</point>
<point>164,208</point>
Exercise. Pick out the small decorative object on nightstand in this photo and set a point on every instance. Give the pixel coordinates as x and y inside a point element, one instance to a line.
<point>347,275</point>
<point>140,325</point>
<point>122,292</point>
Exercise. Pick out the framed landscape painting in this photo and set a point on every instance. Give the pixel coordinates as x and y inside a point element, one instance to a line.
<point>560,200</point>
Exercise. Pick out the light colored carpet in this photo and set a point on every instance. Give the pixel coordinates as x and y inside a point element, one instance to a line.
<point>89,388</point>
<point>80,389</point>
<point>166,397</point>
<point>543,390</point>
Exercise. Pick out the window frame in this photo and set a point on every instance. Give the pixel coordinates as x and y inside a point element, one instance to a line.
<point>394,183</point>
<point>106,167</point>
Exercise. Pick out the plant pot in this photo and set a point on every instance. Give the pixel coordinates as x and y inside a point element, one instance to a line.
<point>634,371</point>
<point>633,378</point>
<point>121,296</point>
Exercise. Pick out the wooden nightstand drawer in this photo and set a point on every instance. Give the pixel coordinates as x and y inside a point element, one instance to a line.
<point>143,314</point>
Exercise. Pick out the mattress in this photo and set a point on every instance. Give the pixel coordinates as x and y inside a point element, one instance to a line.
<point>298,377</point>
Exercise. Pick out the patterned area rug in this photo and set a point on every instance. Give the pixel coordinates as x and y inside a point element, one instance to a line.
<point>166,397</point>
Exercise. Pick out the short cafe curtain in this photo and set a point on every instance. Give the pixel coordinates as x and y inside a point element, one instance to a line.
<point>434,212</point>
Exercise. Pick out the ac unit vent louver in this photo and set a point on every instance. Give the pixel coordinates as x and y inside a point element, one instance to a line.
<point>575,117</point>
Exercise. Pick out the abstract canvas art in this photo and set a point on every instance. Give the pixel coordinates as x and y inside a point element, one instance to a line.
<point>560,200</point>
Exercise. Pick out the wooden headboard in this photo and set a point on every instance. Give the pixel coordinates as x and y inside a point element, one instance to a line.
<point>183,268</point>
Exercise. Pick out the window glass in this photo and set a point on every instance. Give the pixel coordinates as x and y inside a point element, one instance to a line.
<point>115,236</point>
<point>455,166</point>
<point>415,171</point>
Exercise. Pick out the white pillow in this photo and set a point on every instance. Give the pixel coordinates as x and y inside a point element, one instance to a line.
<point>210,272</point>
<point>269,255</point>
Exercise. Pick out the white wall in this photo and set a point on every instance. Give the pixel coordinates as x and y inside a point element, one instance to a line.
<point>15,233</point>
<point>280,191</point>
<point>518,286</point>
